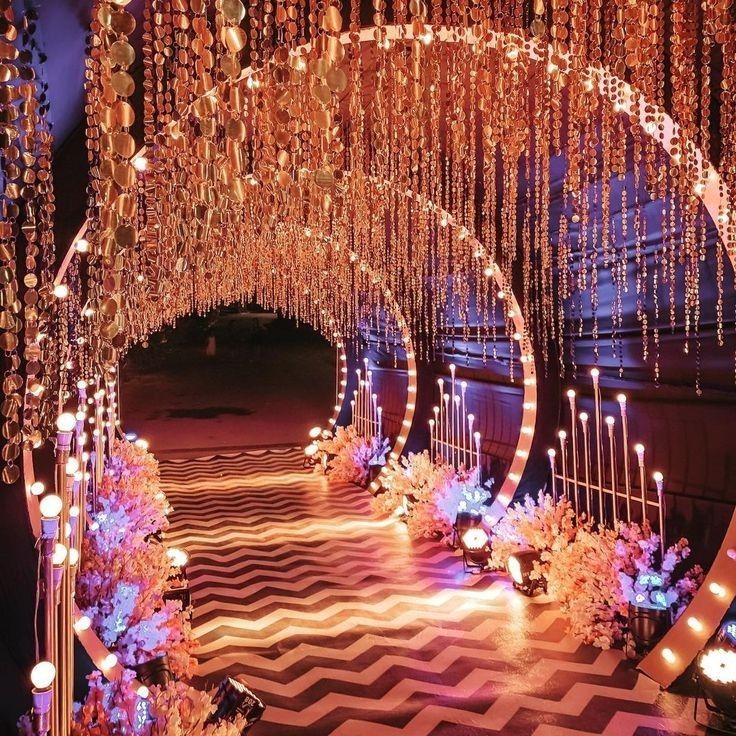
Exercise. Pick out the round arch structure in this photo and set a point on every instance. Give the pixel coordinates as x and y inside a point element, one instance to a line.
<point>683,641</point>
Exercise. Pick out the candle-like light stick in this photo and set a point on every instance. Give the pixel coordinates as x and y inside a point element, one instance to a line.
<point>639,449</point>
<point>611,423</point>
<point>461,420</point>
<point>553,467</point>
<point>659,480</point>
<point>586,454</point>
<point>441,384</point>
<point>595,375</point>
<point>380,423</point>
<point>471,419</point>
<point>453,407</point>
<point>476,436</point>
<point>431,438</point>
<point>374,418</point>
<point>456,427</point>
<point>574,442</point>
<point>436,411</point>
<point>621,398</point>
<point>448,434</point>
<point>563,454</point>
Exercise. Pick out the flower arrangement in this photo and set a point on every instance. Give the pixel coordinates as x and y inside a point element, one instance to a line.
<point>116,708</point>
<point>645,583</point>
<point>124,595</point>
<point>595,572</point>
<point>544,525</point>
<point>416,487</point>
<point>348,455</point>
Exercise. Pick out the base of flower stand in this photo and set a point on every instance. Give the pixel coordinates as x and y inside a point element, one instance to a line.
<point>373,472</point>
<point>646,626</point>
<point>716,720</point>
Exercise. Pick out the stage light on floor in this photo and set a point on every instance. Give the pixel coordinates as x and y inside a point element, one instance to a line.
<point>235,698</point>
<point>155,671</point>
<point>716,679</point>
<point>520,567</point>
<point>472,538</point>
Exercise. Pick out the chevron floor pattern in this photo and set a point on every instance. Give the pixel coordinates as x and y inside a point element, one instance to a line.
<point>344,626</point>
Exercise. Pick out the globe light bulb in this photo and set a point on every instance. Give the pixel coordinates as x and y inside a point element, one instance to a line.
<point>50,506</point>
<point>72,466</point>
<point>61,291</point>
<point>314,432</point>
<point>82,245</point>
<point>42,675</point>
<point>59,554</point>
<point>66,422</point>
<point>37,488</point>
<point>140,163</point>
<point>109,662</point>
<point>83,623</point>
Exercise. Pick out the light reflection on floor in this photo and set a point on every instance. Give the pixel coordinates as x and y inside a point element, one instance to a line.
<point>346,626</point>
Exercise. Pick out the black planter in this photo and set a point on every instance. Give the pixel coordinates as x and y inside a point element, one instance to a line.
<point>154,672</point>
<point>648,625</point>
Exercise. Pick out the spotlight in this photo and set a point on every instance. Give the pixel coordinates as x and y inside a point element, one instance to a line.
<point>520,566</point>
<point>473,540</point>
<point>155,671</point>
<point>716,678</point>
<point>234,698</point>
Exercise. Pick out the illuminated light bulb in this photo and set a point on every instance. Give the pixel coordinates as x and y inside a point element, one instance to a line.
<point>562,434</point>
<point>89,312</point>
<point>315,432</point>
<point>551,452</point>
<point>140,163</point>
<point>668,655</point>
<point>42,675</point>
<point>81,245</point>
<point>143,692</point>
<point>731,553</point>
<point>517,336</point>
<point>570,394</point>
<point>658,477</point>
<point>59,554</point>
<point>717,590</point>
<point>310,450</point>
<point>526,430</point>
<point>583,416</point>
<point>694,624</point>
<point>73,556</point>
<point>177,557</point>
<point>501,295</point>
<point>66,422</point>
<point>37,488</point>
<point>140,442</point>
<point>109,662</point>
<point>489,272</point>
<point>74,511</point>
<point>639,450</point>
<point>94,526</point>
<point>50,506</point>
<point>72,465</point>
<point>594,373</point>
<point>610,421</point>
<point>514,477</point>
<point>139,277</point>
<point>82,623</point>
<point>61,291</point>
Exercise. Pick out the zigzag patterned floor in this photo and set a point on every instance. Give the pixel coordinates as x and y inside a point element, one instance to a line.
<point>344,626</point>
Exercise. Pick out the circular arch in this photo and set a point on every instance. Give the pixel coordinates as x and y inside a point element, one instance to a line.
<point>678,648</point>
